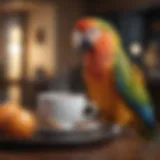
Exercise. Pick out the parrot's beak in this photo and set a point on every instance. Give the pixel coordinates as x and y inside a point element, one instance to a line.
<point>80,42</point>
<point>85,45</point>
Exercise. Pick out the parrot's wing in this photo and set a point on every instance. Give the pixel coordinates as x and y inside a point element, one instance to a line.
<point>130,84</point>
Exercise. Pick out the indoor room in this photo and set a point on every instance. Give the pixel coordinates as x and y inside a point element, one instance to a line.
<point>81,77</point>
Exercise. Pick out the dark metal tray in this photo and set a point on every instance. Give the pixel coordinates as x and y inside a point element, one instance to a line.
<point>46,137</point>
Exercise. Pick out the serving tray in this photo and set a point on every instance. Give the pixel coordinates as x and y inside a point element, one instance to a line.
<point>47,137</point>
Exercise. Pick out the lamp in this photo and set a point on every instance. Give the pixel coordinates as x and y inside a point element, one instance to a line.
<point>14,40</point>
<point>14,49</point>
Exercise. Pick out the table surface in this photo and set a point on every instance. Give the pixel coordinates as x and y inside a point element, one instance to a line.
<point>128,147</point>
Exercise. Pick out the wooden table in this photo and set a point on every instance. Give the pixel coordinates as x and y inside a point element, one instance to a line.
<point>122,148</point>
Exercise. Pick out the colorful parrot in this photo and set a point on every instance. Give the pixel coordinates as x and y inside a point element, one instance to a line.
<point>112,80</point>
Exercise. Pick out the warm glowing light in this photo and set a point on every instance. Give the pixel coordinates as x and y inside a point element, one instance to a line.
<point>14,50</point>
<point>15,33</point>
<point>135,49</point>
<point>14,40</point>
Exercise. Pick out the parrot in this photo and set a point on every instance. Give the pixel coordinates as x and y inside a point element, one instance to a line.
<point>113,81</point>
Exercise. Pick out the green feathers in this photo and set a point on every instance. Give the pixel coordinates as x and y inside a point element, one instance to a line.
<point>130,84</point>
<point>131,78</point>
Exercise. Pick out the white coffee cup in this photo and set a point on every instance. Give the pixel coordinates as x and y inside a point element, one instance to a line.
<point>66,108</point>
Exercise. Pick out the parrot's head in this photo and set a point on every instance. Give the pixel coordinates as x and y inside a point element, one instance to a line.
<point>94,35</point>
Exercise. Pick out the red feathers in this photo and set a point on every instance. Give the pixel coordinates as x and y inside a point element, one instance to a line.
<point>83,24</point>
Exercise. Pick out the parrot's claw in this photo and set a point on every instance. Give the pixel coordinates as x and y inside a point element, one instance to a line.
<point>117,129</point>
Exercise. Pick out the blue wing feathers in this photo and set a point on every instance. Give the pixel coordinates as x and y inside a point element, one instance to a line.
<point>138,101</point>
<point>144,110</point>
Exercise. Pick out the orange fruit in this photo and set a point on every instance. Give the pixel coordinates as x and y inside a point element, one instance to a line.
<point>22,125</point>
<point>7,111</point>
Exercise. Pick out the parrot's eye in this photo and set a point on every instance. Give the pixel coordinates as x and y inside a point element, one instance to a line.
<point>77,38</point>
<point>93,34</point>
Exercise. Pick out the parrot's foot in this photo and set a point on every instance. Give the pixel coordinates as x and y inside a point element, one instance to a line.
<point>117,130</point>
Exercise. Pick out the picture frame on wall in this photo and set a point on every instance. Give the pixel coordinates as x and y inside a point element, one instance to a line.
<point>40,36</point>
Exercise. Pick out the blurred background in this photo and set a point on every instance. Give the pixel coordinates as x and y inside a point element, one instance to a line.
<point>35,50</point>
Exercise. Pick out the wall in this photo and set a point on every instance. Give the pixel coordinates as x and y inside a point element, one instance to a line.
<point>120,5</point>
<point>68,11</point>
<point>41,55</point>
<point>58,20</point>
